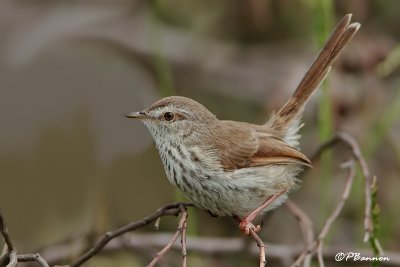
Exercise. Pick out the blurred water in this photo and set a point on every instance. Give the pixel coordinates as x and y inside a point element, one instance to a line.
<point>66,149</point>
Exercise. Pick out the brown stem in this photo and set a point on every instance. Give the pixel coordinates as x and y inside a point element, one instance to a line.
<point>306,227</point>
<point>317,245</point>
<point>4,233</point>
<point>33,258</point>
<point>179,231</point>
<point>352,144</point>
<point>183,241</point>
<point>261,247</point>
<point>169,209</point>
<point>10,254</point>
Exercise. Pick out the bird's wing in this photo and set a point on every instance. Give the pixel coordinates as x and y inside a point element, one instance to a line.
<point>242,147</point>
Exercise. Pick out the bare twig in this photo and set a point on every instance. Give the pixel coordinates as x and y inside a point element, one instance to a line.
<point>179,232</point>
<point>4,233</point>
<point>328,223</point>
<point>33,257</point>
<point>3,255</point>
<point>207,246</point>
<point>10,253</point>
<point>12,257</point>
<point>169,209</point>
<point>261,247</point>
<point>306,227</point>
<point>352,144</point>
<point>355,148</point>
<point>259,242</point>
<point>165,249</point>
<point>317,245</point>
<point>183,241</point>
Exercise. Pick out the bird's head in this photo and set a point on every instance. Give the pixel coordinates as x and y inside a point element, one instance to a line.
<point>174,117</point>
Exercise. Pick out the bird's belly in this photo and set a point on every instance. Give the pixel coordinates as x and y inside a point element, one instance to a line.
<point>237,192</point>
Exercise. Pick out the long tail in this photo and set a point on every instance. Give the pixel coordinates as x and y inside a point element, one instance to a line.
<point>286,120</point>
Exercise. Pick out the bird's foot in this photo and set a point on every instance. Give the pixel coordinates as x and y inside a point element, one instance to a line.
<point>246,225</point>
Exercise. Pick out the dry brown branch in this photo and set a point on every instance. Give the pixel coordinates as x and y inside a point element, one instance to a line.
<point>306,227</point>
<point>325,229</point>
<point>317,245</point>
<point>169,209</point>
<point>261,247</point>
<point>352,144</point>
<point>259,242</point>
<point>179,232</point>
<point>10,258</point>
<point>183,241</point>
<point>32,258</point>
<point>207,246</point>
<point>355,148</point>
<point>4,233</point>
<point>3,255</point>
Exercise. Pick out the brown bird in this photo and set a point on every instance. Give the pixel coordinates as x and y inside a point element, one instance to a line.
<point>234,168</point>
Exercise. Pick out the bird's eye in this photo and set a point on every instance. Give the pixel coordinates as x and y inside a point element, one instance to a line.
<point>168,116</point>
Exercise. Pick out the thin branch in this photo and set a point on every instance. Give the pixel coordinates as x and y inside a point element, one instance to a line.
<point>261,247</point>
<point>259,242</point>
<point>169,209</point>
<point>4,233</point>
<point>183,240</point>
<point>317,245</point>
<point>206,246</point>
<point>352,144</point>
<point>12,259</point>
<point>4,255</point>
<point>306,227</point>
<point>33,257</point>
<point>10,253</point>
<point>179,231</point>
<point>165,249</point>
<point>355,148</point>
<point>328,223</point>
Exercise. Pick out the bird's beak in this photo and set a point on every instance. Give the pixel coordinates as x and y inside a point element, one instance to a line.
<point>137,115</point>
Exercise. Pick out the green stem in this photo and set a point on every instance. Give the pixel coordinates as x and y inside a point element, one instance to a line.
<point>163,71</point>
<point>323,10</point>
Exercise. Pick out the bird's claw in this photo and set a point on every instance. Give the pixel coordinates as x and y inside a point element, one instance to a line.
<point>247,225</point>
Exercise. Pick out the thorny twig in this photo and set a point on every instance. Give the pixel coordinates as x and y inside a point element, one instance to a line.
<point>169,209</point>
<point>317,245</point>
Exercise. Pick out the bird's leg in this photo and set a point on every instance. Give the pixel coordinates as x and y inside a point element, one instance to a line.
<point>246,224</point>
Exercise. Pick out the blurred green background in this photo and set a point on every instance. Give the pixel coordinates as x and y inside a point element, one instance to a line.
<point>70,163</point>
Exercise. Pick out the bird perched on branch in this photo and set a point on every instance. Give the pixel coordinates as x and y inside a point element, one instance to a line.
<point>232,168</point>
